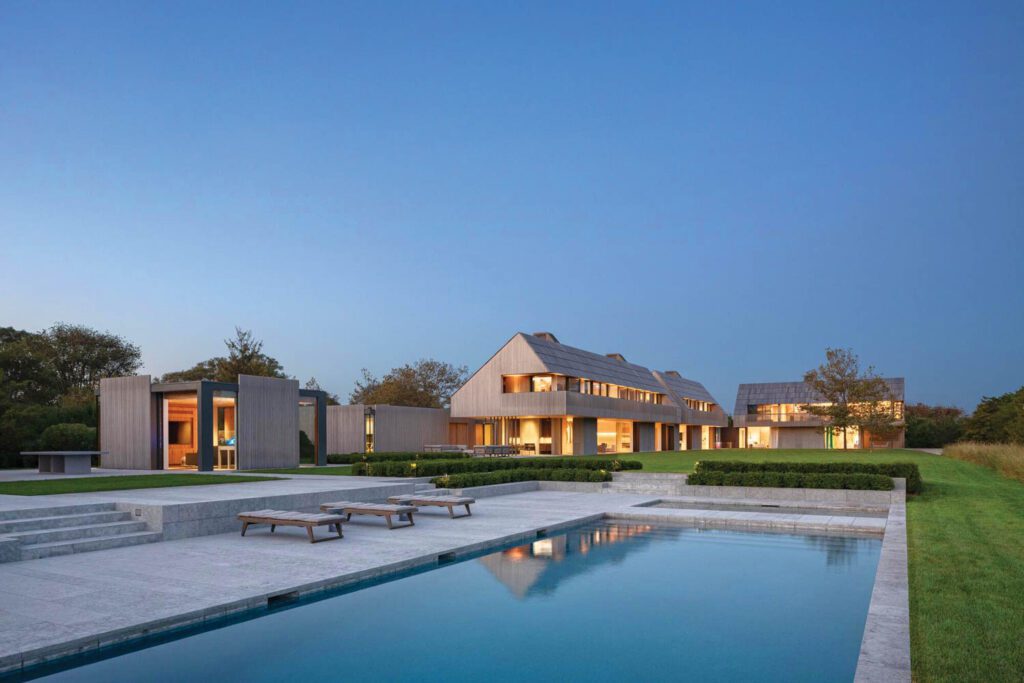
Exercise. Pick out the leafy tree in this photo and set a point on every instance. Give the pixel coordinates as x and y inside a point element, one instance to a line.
<point>26,375</point>
<point>933,426</point>
<point>997,419</point>
<point>426,383</point>
<point>851,397</point>
<point>313,385</point>
<point>81,356</point>
<point>245,357</point>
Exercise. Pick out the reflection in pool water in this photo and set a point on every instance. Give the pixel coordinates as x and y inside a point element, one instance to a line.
<point>605,602</point>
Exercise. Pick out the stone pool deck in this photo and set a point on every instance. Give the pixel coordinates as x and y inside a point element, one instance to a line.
<point>54,607</point>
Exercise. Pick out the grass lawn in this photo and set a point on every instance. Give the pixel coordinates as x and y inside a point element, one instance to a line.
<point>48,487</point>
<point>332,470</point>
<point>966,542</point>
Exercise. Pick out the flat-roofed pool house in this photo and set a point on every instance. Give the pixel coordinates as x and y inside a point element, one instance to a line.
<point>543,397</point>
<point>770,415</point>
<point>206,425</point>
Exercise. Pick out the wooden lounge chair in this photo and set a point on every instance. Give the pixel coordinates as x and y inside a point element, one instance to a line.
<point>436,501</point>
<point>386,511</point>
<point>276,518</point>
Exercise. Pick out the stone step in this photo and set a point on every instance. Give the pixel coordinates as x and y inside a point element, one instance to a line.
<point>59,521</point>
<point>54,511</point>
<point>72,533</point>
<point>40,550</point>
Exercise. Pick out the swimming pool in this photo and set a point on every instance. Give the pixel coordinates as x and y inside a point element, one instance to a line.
<point>602,602</point>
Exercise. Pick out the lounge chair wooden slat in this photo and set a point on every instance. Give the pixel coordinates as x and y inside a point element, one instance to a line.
<point>276,518</point>
<point>449,502</point>
<point>349,508</point>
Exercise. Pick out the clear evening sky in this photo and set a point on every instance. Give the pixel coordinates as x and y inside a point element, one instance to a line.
<point>721,189</point>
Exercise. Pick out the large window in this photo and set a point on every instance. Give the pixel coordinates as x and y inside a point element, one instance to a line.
<point>520,384</point>
<point>614,436</point>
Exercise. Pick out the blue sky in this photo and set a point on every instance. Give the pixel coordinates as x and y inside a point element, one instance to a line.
<point>722,189</point>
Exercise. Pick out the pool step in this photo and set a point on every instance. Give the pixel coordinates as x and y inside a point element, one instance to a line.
<point>36,551</point>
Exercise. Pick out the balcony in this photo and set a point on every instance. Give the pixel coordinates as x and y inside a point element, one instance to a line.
<point>804,419</point>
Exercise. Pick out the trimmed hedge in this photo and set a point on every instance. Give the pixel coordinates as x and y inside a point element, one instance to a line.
<point>461,481</point>
<point>906,470</point>
<point>793,480</point>
<point>69,436</point>
<point>430,468</point>
<point>351,458</point>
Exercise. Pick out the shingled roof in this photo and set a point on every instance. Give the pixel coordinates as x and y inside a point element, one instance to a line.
<point>683,388</point>
<point>793,392</point>
<point>568,360</point>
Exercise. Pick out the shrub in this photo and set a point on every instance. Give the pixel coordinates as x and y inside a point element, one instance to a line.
<point>350,458</point>
<point>68,437</point>
<point>908,471</point>
<point>793,480</point>
<point>459,481</point>
<point>430,468</point>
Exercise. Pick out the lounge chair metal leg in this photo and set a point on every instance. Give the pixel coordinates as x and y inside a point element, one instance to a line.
<point>451,511</point>
<point>468,512</point>
<point>272,527</point>
<point>387,518</point>
<point>411,522</point>
<point>245,525</point>
<point>338,527</point>
<point>310,530</point>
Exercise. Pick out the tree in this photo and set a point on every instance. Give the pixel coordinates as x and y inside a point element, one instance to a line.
<point>313,385</point>
<point>426,384</point>
<point>81,356</point>
<point>933,426</point>
<point>245,357</point>
<point>26,375</point>
<point>849,397</point>
<point>997,419</point>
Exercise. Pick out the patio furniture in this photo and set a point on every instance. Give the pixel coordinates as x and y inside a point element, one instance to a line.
<point>436,501</point>
<point>386,511</point>
<point>65,462</point>
<point>276,518</point>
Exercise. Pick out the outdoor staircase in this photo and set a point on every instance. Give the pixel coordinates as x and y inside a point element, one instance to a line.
<point>45,532</point>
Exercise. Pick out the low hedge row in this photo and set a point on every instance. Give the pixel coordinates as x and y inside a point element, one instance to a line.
<point>430,468</point>
<point>794,480</point>
<point>905,470</point>
<point>350,458</point>
<point>461,481</point>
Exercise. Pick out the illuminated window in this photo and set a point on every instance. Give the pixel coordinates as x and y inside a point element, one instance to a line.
<point>541,383</point>
<point>368,429</point>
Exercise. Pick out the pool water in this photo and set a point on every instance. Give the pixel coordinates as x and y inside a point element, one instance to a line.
<point>610,601</point>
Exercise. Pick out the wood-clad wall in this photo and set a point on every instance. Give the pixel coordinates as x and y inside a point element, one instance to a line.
<point>268,422</point>
<point>482,395</point>
<point>345,429</point>
<point>396,428</point>
<point>401,428</point>
<point>126,423</point>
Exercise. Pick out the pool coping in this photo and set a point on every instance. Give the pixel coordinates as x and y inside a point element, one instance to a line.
<point>885,646</point>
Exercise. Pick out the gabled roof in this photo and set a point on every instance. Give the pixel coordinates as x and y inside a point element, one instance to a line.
<point>685,388</point>
<point>793,392</point>
<point>568,360</point>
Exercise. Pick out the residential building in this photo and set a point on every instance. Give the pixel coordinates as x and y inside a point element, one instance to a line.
<point>771,415</point>
<point>203,425</point>
<point>544,397</point>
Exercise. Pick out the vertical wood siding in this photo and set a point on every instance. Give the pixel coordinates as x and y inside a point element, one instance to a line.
<point>401,428</point>
<point>126,422</point>
<point>268,422</point>
<point>345,429</point>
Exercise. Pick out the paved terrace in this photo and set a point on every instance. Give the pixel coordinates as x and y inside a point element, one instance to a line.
<point>56,606</point>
